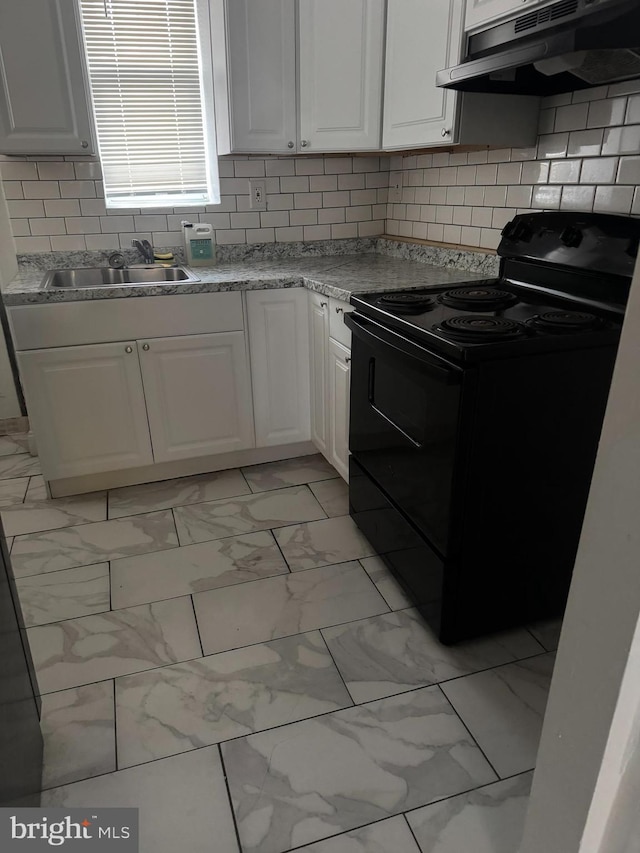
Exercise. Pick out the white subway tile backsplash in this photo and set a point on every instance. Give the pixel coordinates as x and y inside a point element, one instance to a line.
<point>289,235</point>
<point>600,170</point>
<point>359,214</point>
<point>594,94</point>
<point>481,217</point>
<point>553,145</point>
<point>78,189</point>
<point>13,189</point>
<point>353,182</point>
<point>343,231</point>
<point>260,235</point>
<point>565,172</point>
<point>19,209</point>
<point>419,230</point>
<point>572,117</point>
<point>268,219</point>
<point>607,113</point>
<point>509,173</point>
<point>48,226</point>
<point>455,195</point>
<point>68,244</point>
<point>536,172</point>
<point>298,184</point>
<point>249,168</point>
<point>635,207</point>
<point>489,238</point>
<point>245,220</point>
<point>336,199</point>
<point>585,143</point>
<point>88,171</point>
<point>628,170</point>
<point>622,140</point>
<point>323,183</point>
<point>117,224</point>
<point>486,174</point>
<point>18,171</point>
<point>307,200</point>
<point>462,215</point>
<point>633,110</point>
<point>33,244</point>
<point>519,196</point>
<point>614,199</point>
<point>55,172</point>
<point>41,189</point>
<point>577,198</point>
<point>310,166</point>
<point>452,234</point>
<point>470,236</point>
<point>502,215</point>
<point>338,165</point>
<point>317,232</point>
<point>232,237</point>
<point>304,217</point>
<point>20,227</point>
<point>62,207</point>
<point>474,196</point>
<point>92,207</point>
<point>371,164</point>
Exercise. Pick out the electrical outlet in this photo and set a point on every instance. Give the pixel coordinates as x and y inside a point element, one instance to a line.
<point>395,187</point>
<point>258,193</point>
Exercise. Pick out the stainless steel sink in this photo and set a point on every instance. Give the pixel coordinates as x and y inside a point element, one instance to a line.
<point>110,277</point>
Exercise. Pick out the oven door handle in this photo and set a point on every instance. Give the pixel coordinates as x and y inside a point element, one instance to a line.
<point>380,336</point>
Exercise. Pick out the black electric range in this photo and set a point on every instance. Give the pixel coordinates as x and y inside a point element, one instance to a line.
<point>475,417</point>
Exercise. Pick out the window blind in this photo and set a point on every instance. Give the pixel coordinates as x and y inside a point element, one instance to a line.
<point>146,82</point>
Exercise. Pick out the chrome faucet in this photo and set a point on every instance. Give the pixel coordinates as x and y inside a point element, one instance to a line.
<point>146,250</point>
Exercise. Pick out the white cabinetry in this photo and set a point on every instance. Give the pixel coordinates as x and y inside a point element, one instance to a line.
<point>482,11</point>
<point>198,394</point>
<point>340,59</point>
<point>422,39</point>
<point>86,405</point>
<point>339,386</point>
<point>255,87</point>
<point>44,92</point>
<point>330,379</point>
<point>318,345</point>
<point>279,342</point>
<point>330,51</point>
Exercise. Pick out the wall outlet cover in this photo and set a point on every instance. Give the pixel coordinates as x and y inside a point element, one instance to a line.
<point>258,194</point>
<point>395,187</point>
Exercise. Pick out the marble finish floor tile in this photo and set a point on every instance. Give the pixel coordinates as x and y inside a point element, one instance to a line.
<point>322,543</point>
<point>95,648</point>
<point>10,445</point>
<point>13,491</point>
<point>246,514</point>
<point>37,553</point>
<point>307,781</point>
<point>67,594</point>
<point>195,568</point>
<point>166,494</point>
<point>504,709</point>
<point>487,820</point>
<point>189,705</point>
<point>397,651</point>
<point>19,465</point>
<point>282,606</point>
<point>388,587</point>
<point>332,495</point>
<point>183,802</point>
<point>39,512</point>
<point>78,728</point>
<point>547,633</point>
<point>289,472</point>
<point>387,836</point>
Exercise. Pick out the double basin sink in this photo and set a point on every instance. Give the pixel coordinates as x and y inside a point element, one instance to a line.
<point>112,277</point>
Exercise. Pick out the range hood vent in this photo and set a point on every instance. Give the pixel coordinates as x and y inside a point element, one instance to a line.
<point>543,16</point>
<point>571,44</point>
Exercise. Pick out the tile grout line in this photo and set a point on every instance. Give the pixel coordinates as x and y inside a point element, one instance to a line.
<point>330,653</point>
<point>359,561</point>
<point>413,835</point>
<point>115,726</point>
<point>230,801</point>
<point>195,619</point>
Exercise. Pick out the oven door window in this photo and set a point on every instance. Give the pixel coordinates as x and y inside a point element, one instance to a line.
<point>404,424</point>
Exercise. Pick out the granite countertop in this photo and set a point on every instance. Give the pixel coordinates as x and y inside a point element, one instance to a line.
<point>332,275</point>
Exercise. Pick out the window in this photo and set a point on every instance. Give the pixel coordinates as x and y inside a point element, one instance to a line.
<point>154,124</point>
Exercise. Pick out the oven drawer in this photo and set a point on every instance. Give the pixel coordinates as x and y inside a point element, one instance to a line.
<point>418,568</point>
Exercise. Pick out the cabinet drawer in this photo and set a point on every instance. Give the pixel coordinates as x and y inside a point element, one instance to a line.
<point>337,328</point>
<point>65,324</point>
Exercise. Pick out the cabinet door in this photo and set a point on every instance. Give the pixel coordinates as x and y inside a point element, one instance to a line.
<point>198,393</point>
<point>86,407</point>
<point>339,385</point>
<point>340,61</point>
<point>318,341</point>
<point>482,11</point>
<point>279,343</point>
<point>422,38</point>
<point>261,68</point>
<point>44,100</point>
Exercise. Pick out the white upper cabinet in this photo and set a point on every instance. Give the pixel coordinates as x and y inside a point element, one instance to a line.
<point>44,91</point>
<point>482,11</point>
<point>256,87</point>
<point>340,58</point>
<point>297,75</point>
<point>279,340</point>
<point>198,394</point>
<point>422,38</point>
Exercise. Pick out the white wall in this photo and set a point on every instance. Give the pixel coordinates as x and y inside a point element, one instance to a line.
<point>9,406</point>
<point>587,729</point>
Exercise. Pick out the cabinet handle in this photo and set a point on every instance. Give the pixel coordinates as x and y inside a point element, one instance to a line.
<point>323,304</point>
<point>128,349</point>
<point>339,310</point>
<point>145,347</point>
<point>291,145</point>
<point>348,359</point>
<point>445,132</point>
<point>304,143</point>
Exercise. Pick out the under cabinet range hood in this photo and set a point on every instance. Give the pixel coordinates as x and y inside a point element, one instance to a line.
<point>566,45</point>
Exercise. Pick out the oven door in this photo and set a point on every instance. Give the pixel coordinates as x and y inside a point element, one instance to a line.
<point>405,404</point>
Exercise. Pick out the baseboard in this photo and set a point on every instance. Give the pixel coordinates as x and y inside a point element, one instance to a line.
<point>12,426</point>
<point>182,468</point>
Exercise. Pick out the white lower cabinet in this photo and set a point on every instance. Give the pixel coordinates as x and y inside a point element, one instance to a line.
<point>279,342</point>
<point>339,387</point>
<point>330,375</point>
<point>318,345</point>
<point>198,394</point>
<point>87,407</point>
